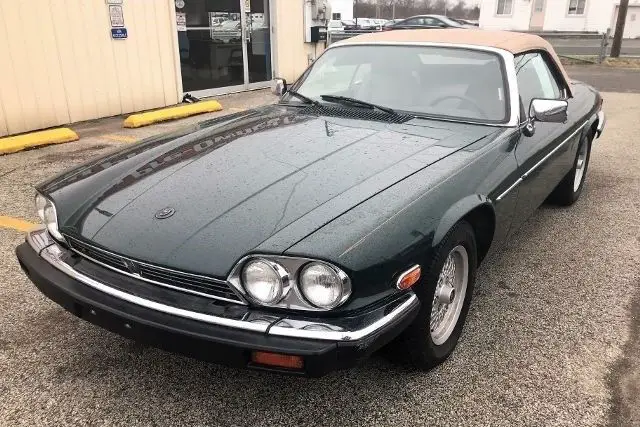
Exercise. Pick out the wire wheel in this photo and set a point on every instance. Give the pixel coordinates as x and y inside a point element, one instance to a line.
<point>449,295</point>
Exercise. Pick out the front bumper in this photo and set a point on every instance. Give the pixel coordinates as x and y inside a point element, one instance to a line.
<point>163,319</point>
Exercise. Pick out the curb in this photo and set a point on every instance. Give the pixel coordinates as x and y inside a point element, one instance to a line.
<point>171,113</point>
<point>13,144</point>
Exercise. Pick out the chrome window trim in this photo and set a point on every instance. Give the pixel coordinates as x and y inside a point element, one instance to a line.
<point>166,285</point>
<point>506,56</point>
<point>49,250</point>
<point>540,162</point>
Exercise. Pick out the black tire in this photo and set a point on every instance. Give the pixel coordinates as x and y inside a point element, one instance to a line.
<point>565,194</point>
<point>415,344</point>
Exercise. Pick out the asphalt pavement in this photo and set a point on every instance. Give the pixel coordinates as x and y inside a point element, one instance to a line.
<point>551,337</point>
<point>607,78</point>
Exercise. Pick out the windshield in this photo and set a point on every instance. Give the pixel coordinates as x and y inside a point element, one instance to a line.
<point>452,82</point>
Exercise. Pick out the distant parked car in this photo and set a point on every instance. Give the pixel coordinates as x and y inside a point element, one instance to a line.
<point>466,22</point>
<point>391,22</point>
<point>425,21</point>
<point>349,25</point>
<point>367,24</point>
<point>335,25</point>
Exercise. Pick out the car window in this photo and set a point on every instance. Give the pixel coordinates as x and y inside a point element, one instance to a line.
<point>535,79</point>
<point>413,21</point>
<point>450,82</point>
<point>431,21</point>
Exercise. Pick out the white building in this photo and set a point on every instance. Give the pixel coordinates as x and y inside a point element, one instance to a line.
<point>558,15</point>
<point>62,63</point>
<point>341,9</point>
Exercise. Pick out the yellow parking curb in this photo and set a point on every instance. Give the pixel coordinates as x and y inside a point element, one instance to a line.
<point>171,113</point>
<point>13,144</point>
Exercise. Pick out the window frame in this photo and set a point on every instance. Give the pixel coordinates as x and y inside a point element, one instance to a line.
<point>576,14</point>
<point>555,73</point>
<point>338,18</point>
<point>511,2</point>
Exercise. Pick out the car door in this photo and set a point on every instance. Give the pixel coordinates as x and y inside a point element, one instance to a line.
<point>544,157</point>
<point>410,23</point>
<point>429,22</point>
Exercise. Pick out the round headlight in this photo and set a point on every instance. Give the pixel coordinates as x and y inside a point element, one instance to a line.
<point>324,286</point>
<point>265,281</point>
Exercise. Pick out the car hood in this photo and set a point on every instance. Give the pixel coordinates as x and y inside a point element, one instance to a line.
<point>257,181</point>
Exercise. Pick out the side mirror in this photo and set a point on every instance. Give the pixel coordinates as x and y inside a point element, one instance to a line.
<point>279,86</point>
<point>548,110</point>
<point>545,110</point>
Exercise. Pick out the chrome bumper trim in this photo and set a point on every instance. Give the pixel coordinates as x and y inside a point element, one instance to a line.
<point>602,120</point>
<point>328,330</point>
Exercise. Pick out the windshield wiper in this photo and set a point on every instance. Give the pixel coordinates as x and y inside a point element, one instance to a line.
<point>303,98</point>
<point>348,100</point>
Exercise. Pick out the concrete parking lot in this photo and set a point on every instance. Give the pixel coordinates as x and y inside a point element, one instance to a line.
<point>551,338</point>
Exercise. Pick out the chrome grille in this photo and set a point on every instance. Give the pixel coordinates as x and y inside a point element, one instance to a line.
<point>187,282</point>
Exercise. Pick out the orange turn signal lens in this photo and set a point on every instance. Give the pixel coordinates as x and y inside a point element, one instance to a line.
<point>276,359</point>
<point>409,278</point>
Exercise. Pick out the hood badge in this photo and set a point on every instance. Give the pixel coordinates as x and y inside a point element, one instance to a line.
<point>165,213</point>
<point>132,267</point>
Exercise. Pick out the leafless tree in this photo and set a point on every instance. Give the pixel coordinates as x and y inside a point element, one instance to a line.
<point>406,8</point>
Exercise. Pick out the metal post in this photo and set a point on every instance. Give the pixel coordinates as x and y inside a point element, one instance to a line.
<point>355,10</point>
<point>603,46</point>
<point>617,36</point>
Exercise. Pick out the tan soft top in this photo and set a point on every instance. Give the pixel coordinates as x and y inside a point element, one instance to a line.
<point>506,40</point>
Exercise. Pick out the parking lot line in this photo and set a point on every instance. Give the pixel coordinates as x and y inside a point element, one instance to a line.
<point>15,223</point>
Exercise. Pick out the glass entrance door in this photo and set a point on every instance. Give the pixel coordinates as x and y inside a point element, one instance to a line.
<point>224,45</point>
<point>258,40</point>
